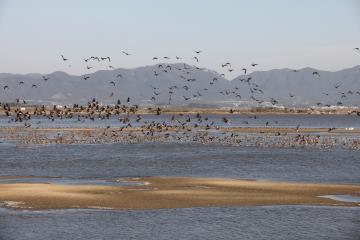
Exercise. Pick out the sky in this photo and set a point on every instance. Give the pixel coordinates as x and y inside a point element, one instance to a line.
<point>275,34</point>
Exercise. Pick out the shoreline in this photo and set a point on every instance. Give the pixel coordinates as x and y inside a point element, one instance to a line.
<point>176,110</point>
<point>172,192</point>
<point>233,136</point>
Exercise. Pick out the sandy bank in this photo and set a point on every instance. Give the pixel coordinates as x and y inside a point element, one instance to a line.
<point>172,192</point>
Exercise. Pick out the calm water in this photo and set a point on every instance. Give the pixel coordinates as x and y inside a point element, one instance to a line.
<point>96,162</point>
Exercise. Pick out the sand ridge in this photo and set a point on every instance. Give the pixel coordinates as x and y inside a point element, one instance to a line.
<point>172,192</point>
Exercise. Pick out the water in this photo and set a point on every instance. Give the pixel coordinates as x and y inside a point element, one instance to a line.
<point>274,120</point>
<point>171,159</point>
<point>343,198</point>
<point>70,181</point>
<point>274,222</point>
<point>94,163</point>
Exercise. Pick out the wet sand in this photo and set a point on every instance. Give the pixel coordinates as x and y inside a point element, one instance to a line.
<point>171,192</point>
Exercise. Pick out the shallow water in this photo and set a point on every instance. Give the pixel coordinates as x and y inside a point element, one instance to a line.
<point>71,181</point>
<point>281,222</point>
<point>343,198</point>
<point>99,162</point>
<point>170,159</point>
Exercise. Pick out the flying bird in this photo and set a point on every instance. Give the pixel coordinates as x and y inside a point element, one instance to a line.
<point>197,60</point>
<point>316,73</point>
<point>226,64</point>
<point>108,58</point>
<point>127,54</point>
<point>63,58</point>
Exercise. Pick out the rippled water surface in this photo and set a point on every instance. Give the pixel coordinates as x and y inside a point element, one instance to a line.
<point>285,222</point>
<point>98,162</point>
<point>170,159</point>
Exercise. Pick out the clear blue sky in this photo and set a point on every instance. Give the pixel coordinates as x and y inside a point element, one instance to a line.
<point>275,34</point>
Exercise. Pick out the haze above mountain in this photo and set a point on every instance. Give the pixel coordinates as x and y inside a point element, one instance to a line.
<point>187,85</point>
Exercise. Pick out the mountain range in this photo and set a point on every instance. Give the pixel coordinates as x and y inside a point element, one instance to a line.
<point>188,86</point>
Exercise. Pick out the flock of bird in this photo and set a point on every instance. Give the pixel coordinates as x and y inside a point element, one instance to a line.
<point>187,90</point>
<point>127,113</point>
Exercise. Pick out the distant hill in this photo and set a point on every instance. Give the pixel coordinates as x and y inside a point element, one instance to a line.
<point>189,86</point>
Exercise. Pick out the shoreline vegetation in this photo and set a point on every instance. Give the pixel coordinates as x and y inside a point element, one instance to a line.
<point>171,192</point>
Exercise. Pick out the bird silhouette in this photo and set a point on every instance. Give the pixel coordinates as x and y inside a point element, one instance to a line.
<point>63,58</point>
<point>316,74</point>
<point>197,60</point>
